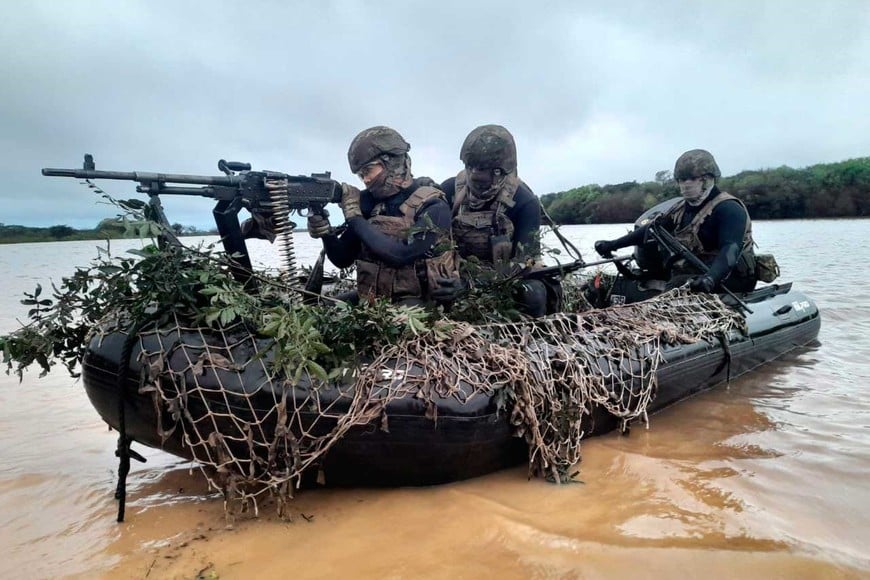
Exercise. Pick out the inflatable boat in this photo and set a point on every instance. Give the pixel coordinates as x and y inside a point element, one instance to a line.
<point>463,440</point>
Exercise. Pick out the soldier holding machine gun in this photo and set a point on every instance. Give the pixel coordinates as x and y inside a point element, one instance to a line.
<point>398,228</point>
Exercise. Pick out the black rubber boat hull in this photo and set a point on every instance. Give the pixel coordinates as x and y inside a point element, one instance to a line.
<point>468,441</point>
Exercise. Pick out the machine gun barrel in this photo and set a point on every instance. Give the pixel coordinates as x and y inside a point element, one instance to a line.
<point>318,188</point>
<point>143,176</point>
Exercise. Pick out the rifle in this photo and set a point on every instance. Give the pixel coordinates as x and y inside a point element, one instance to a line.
<point>562,269</point>
<point>239,188</point>
<point>673,246</point>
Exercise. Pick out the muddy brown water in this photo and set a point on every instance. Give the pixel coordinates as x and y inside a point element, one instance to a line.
<point>764,478</point>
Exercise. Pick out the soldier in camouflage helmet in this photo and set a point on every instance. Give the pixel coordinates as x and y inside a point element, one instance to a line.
<point>711,223</point>
<point>398,227</point>
<point>490,147</point>
<point>496,216</point>
<point>696,173</point>
<point>696,163</point>
<point>381,147</point>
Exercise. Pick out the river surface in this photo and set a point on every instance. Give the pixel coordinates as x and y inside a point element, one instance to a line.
<point>767,477</point>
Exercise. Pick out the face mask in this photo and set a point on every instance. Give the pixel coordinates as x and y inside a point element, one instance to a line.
<point>379,187</point>
<point>696,190</point>
<point>396,176</point>
<point>482,181</point>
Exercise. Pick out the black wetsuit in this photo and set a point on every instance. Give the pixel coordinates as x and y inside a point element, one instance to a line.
<point>525,215</point>
<point>343,250</point>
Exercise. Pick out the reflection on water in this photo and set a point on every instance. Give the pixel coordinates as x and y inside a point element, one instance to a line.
<point>764,477</point>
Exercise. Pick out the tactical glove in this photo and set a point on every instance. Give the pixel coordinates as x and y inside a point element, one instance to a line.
<point>448,290</point>
<point>259,225</point>
<point>319,226</point>
<point>604,248</point>
<point>350,202</point>
<point>702,284</point>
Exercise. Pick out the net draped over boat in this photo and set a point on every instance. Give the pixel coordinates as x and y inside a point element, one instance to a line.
<point>548,374</point>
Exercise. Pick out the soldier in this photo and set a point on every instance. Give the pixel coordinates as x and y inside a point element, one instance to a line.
<point>398,227</point>
<point>711,223</point>
<point>496,217</point>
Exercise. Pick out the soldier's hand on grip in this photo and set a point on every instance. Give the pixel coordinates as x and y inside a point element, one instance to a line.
<point>319,226</point>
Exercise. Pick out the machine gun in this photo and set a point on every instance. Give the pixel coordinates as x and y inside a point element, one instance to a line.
<point>264,193</point>
<point>677,250</point>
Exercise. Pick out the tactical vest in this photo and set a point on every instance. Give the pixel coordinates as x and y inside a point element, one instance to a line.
<point>487,234</point>
<point>417,280</point>
<point>688,236</point>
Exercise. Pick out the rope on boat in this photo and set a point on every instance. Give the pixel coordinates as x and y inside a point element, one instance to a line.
<point>123,451</point>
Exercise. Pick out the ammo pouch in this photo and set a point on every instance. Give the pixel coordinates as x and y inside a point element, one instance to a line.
<point>378,280</point>
<point>766,268</point>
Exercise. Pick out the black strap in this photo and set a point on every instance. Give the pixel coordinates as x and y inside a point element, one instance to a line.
<point>726,360</point>
<point>123,451</point>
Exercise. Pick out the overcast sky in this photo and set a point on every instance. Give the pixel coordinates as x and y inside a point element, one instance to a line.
<point>594,92</point>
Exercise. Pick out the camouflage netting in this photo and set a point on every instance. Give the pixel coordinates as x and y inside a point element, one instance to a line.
<point>551,373</point>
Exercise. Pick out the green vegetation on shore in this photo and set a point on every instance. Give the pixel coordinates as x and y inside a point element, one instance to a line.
<point>821,191</point>
<point>107,229</point>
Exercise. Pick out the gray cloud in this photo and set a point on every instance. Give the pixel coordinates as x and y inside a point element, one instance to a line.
<point>604,92</point>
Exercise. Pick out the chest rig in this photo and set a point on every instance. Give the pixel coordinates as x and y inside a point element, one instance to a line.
<point>376,279</point>
<point>688,236</point>
<point>486,233</point>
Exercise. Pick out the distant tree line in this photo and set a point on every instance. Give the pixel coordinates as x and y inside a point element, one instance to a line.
<point>820,191</point>
<point>108,228</point>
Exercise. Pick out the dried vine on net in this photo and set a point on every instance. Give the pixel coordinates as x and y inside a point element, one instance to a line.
<point>556,370</point>
<point>257,430</point>
<point>262,432</point>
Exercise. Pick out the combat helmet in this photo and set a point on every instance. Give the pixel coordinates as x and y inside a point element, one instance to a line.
<point>490,147</point>
<point>696,163</point>
<point>374,142</point>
